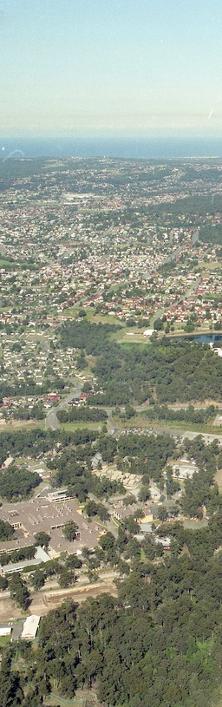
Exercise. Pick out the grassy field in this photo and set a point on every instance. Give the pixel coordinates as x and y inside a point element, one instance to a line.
<point>14,425</point>
<point>99,318</point>
<point>212,265</point>
<point>4,640</point>
<point>4,309</point>
<point>8,264</point>
<point>131,336</point>
<point>73,426</point>
<point>71,312</point>
<point>91,315</point>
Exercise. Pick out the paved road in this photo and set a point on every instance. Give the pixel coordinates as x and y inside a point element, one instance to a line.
<point>51,420</point>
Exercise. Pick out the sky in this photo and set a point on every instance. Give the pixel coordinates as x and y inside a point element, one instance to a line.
<point>114,67</point>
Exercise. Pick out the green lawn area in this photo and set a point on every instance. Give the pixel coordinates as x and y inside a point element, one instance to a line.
<point>92,316</point>
<point>73,426</point>
<point>21,424</point>
<point>71,312</point>
<point>131,336</point>
<point>7,264</point>
<point>212,265</point>
<point>4,640</point>
<point>105,319</point>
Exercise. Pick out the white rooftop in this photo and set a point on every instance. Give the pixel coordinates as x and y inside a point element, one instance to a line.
<point>30,626</point>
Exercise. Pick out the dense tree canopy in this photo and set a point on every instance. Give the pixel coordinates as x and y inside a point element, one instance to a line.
<point>158,643</point>
<point>177,369</point>
<point>17,483</point>
<point>6,530</point>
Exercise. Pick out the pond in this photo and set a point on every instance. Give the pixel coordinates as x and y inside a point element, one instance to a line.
<point>207,338</point>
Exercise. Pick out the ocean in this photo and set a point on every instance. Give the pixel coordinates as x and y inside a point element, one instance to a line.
<point>122,147</point>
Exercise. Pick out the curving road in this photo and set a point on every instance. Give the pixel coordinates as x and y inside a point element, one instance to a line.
<point>51,420</point>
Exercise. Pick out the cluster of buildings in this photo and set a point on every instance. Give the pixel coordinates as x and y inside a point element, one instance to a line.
<point>31,365</point>
<point>95,236</point>
<point>23,629</point>
<point>47,512</point>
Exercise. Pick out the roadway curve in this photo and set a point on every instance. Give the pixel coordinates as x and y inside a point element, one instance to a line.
<point>51,420</point>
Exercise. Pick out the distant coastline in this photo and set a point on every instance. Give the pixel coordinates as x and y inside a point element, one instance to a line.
<point>167,148</point>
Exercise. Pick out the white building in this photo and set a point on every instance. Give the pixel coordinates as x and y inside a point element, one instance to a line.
<point>184,469</point>
<point>30,627</point>
<point>5,630</point>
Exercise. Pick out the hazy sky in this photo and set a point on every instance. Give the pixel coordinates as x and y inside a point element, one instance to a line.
<point>110,66</point>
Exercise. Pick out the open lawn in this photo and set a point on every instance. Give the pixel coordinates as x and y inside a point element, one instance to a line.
<point>20,425</point>
<point>71,312</point>
<point>131,336</point>
<point>4,640</point>
<point>82,424</point>
<point>91,315</point>
<point>8,264</point>
<point>100,318</point>
<point>212,265</point>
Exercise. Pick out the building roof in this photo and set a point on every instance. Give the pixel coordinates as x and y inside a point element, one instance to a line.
<point>146,527</point>
<point>30,626</point>
<point>41,514</point>
<point>5,630</point>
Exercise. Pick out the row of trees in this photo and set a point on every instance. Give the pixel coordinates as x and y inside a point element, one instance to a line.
<point>37,441</point>
<point>189,414</point>
<point>83,414</point>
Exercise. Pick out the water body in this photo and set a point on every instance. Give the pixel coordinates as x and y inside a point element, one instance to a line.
<point>126,148</point>
<point>207,338</point>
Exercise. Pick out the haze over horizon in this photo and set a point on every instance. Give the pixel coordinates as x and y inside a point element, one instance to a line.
<point>125,68</point>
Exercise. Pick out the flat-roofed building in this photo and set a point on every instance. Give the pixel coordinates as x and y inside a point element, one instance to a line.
<point>30,627</point>
<point>41,514</point>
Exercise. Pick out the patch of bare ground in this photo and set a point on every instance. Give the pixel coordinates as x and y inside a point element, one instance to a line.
<point>43,602</point>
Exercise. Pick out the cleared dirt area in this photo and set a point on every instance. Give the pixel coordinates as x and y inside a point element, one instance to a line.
<point>43,602</point>
<point>83,698</point>
<point>53,600</point>
<point>8,610</point>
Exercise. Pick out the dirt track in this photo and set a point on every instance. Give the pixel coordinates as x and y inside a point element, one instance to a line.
<point>51,600</point>
<point>44,601</point>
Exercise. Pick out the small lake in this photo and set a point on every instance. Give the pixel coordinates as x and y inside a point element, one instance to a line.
<point>207,338</point>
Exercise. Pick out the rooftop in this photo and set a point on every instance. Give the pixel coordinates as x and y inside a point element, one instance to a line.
<point>42,514</point>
